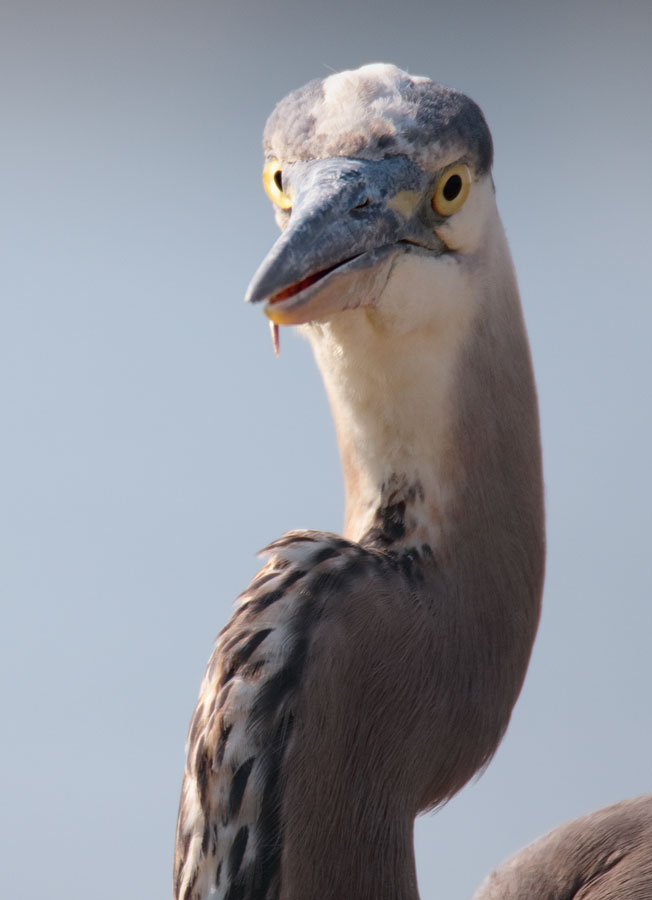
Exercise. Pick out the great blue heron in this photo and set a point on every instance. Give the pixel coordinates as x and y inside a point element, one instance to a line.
<point>365,678</point>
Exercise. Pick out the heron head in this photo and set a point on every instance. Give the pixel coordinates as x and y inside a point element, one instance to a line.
<point>369,170</point>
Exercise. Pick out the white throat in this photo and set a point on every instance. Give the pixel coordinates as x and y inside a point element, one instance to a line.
<point>391,384</point>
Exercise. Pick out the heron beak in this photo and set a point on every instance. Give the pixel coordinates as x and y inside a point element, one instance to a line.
<point>344,232</point>
<point>358,282</point>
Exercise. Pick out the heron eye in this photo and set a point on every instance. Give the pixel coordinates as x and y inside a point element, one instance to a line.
<point>452,190</point>
<point>273,184</point>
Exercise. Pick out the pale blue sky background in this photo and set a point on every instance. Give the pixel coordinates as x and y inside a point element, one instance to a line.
<point>151,442</point>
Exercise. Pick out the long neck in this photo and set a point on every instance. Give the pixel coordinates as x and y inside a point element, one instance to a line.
<point>393,416</point>
<point>437,426</point>
<point>439,437</point>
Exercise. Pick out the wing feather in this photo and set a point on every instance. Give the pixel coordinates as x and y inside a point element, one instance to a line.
<point>228,830</point>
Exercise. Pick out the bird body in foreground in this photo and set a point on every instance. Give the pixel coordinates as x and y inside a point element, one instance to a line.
<point>365,678</point>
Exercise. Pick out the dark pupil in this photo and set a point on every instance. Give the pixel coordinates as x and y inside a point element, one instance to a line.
<point>278,179</point>
<point>452,187</point>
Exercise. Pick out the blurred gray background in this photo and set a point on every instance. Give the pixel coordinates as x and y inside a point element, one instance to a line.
<point>151,443</point>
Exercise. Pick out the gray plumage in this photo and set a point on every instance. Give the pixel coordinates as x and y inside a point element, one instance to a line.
<point>365,678</point>
<point>411,116</point>
<point>606,855</point>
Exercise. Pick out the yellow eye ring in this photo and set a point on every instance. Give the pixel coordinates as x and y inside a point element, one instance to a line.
<point>273,184</point>
<point>452,190</point>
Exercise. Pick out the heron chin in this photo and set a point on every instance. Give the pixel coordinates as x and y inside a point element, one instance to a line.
<point>365,678</point>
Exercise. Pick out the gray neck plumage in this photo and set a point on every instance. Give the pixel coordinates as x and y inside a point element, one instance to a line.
<point>438,426</point>
<point>439,437</point>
